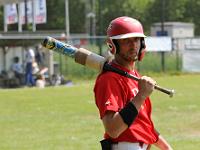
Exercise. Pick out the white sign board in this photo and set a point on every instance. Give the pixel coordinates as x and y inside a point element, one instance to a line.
<point>10,14</point>
<point>158,44</point>
<point>40,11</point>
<point>29,12</point>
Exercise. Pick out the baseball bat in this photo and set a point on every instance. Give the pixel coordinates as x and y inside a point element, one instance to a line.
<point>91,60</point>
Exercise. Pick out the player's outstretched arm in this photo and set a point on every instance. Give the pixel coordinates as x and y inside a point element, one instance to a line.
<point>162,144</point>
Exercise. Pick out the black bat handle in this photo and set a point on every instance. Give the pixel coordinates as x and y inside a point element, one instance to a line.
<point>108,67</point>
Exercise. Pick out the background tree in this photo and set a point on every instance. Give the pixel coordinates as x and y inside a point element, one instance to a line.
<point>111,9</point>
<point>166,10</point>
<point>56,16</point>
<point>147,11</point>
<point>192,14</point>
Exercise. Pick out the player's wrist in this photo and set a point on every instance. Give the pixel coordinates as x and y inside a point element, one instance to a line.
<point>142,96</point>
<point>138,100</point>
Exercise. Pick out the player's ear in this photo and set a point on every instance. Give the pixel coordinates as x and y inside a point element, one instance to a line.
<point>111,46</point>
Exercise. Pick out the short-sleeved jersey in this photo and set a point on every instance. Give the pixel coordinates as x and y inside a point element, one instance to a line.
<point>112,92</point>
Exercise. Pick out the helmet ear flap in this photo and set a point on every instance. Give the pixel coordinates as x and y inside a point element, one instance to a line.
<point>111,46</point>
<point>141,55</point>
<point>142,50</point>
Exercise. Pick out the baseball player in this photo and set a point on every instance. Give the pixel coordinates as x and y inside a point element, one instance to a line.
<point>124,104</point>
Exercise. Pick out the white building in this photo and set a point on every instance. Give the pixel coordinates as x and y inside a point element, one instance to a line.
<point>184,42</point>
<point>173,29</point>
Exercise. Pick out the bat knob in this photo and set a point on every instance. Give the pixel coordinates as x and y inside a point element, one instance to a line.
<point>172,92</point>
<point>44,43</point>
<point>49,43</point>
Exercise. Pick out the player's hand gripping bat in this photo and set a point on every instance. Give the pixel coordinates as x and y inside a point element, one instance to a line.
<point>90,59</point>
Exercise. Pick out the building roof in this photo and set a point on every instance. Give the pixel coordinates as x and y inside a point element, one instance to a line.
<point>26,38</point>
<point>175,24</point>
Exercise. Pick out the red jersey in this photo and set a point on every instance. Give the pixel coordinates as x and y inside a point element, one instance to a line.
<point>112,93</point>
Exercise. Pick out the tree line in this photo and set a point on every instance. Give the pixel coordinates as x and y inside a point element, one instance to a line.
<point>147,11</point>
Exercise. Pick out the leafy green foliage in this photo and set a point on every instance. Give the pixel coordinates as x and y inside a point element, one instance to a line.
<point>166,10</point>
<point>56,16</point>
<point>147,11</point>
<point>110,10</point>
<point>192,14</point>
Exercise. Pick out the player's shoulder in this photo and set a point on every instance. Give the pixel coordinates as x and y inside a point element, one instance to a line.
<point>108,79</point>
<point>108,75</point>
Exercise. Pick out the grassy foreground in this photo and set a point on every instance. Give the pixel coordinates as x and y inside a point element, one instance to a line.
<point>66,118</point>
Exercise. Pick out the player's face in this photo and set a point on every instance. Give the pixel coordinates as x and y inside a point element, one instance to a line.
<point>129,48</point>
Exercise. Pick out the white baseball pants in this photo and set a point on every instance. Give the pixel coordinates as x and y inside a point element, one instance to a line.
<point>129,146</point>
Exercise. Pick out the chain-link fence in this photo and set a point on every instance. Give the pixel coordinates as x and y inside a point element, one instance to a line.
<point>169,62</point>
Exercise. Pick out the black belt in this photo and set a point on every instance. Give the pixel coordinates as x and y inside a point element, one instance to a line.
<point>106,144</point>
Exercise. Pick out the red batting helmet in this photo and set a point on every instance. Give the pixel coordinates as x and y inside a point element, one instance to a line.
<point>125,27</point>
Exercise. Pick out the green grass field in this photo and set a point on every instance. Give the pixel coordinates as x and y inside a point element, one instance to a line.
<point>66,118</point>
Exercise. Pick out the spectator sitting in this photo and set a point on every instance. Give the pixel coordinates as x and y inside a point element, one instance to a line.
<point>17,69</point>
<point>40,77</point>
<point>40,81</point>
<point>56,80</point>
